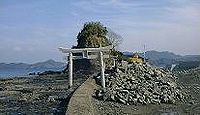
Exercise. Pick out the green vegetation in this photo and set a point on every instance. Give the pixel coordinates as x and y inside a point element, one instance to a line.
<point>117,54</point>
<point>93,34</point>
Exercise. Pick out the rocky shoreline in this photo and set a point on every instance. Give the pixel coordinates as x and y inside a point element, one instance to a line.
<point>45,94</point>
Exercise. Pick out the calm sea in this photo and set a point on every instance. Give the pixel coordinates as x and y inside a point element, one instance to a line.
<point>5,73</point>
<point>13,73</point>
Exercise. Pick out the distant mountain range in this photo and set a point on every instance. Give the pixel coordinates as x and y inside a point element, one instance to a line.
<point>165,59</point>
<point>160,59</point>
<point>15,69</point>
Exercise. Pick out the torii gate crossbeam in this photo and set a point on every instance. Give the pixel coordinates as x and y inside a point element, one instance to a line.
<point>87,53</point>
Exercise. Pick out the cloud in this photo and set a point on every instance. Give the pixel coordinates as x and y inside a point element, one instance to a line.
<point>18,49</point>
<point>161,24</point>
<point>40,27</point>
<point>184,11</point>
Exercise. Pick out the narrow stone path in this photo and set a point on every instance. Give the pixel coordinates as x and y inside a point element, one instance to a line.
<point>80,102</point>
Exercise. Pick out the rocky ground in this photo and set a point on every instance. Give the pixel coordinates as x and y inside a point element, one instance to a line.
<point>187,82</point>
<point>46,94</point>
<point>49,94</point>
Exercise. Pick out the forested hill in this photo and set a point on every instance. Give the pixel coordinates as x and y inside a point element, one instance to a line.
<point>164,59</point>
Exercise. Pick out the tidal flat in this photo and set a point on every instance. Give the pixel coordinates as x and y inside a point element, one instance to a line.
<point>44,94</point>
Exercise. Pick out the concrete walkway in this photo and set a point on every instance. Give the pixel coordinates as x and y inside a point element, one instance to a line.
<point>80,102</point>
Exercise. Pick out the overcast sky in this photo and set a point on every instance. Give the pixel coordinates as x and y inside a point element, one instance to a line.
<point>32,30</point>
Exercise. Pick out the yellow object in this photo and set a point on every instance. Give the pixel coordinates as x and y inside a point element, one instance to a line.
<point>136,58</point>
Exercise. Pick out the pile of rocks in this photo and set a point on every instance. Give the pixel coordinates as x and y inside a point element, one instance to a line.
<point>140,84</point>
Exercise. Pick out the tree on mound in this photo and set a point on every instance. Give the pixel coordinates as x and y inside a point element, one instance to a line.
<point>94,35</point>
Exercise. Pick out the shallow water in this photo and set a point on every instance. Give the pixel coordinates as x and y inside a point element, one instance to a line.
<point>12,73</point>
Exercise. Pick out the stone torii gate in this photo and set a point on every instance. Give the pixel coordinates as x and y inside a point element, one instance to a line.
<point>86,53</point>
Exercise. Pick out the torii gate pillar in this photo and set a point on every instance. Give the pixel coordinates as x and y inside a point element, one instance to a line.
<point>70,69</point>
<point>97,52</point>
<point>102,71</point>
